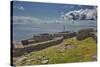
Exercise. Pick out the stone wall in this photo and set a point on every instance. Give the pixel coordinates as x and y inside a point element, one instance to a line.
<point>37,46</point>
<point>65,35</point>
<point>46,37</point>
<point>42,41</point>
<point>43,37</point>
<point>28,41</point>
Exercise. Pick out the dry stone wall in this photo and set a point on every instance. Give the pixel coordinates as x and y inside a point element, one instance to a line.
<point>43,41</point>
<point>37,46</point>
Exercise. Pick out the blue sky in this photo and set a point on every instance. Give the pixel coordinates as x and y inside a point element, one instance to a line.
<point>45,11</point>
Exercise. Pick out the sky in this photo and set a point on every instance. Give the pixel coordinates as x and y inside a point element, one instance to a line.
<point>45,11</point>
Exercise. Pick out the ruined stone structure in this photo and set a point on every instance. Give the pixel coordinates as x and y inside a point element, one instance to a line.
<point>37,46</point>
<point>43,37</point>
<point>41,41</point>
<point>28,41</point>
<point>84,33</point>
<point>65,35</point>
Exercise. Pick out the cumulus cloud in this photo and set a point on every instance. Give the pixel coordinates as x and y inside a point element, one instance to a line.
<point>82,14</point>
<point>25,20</point>
<point>20,7</point>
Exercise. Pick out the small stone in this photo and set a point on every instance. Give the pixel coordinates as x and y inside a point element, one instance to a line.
<point>70,46</point>
<point>28,60</point>
<point>44,61</point>
<point>45,58</point>
<point>39,57</point>
<point>94,56</point>
<point>22,59</point>
<point>33,59</point>
<point>61,50</point>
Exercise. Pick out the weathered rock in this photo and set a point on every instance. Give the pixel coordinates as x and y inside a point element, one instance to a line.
<point>61,50</point>
<point>94,56</point>
<point>17,45</point>
<point>24,42</point>
<point>38,46</point>
<point>33,59</point>
<point>84,33</point>
<point>39,57</point>
<point>45,58</point>
<point>44,61</point>
<point>70,46</point>
<point>22,59</point>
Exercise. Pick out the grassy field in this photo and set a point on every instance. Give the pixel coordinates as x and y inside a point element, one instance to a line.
<point>69,51</point>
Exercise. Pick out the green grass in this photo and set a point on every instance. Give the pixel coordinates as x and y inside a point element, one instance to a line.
<point>82,52</point>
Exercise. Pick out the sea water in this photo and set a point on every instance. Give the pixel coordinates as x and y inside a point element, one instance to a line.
<point>27,30</point>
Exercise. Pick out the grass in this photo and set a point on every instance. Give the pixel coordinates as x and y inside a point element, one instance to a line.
<point>83,52</point>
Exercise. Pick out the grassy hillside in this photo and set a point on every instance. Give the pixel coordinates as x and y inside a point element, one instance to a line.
<point>70,50</point>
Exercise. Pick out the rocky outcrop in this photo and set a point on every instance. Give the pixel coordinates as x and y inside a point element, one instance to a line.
<point>17,45</point>
<point>84,33</point>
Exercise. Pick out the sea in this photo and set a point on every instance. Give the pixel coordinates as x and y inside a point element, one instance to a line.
<point>27,30</point>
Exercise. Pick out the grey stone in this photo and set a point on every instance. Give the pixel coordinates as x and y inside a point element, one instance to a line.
<point>43,37</point>
<point>21,59</point>
<point>39,57</point>
<point>33,59</point>
<point>61,50</point>
<point>94,56</point>
<point>24,42</point>
<point>45,58</point>
<point>44,61</point>
<point>84,33</point>
<point>70,46</point>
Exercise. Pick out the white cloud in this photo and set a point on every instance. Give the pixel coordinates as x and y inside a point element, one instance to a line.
<point>25,20</point>
<point>21,7</point>
<point>82,14</point>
